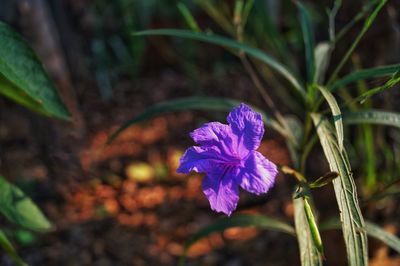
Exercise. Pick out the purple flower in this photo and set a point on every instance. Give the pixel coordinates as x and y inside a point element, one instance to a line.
<point>228,156</point>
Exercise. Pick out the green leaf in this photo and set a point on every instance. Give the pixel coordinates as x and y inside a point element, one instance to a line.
<point>219,226</point>
<point>388,85</point>
<point>372,116</point>
<point>313,226</point>
<point>18,96</point>
<point>189,19</point>
<point>308,37</point>
<point>379,233</point>
<point>218,13</point>
<point>9,249</point>
<point>322,54</point>
<point>366,26</point>
<point>337,115</point>
<point>20,66</point>
<point>372,229</point>
<point>229,43</point>
<point>192,103</point>
<point>309,254</point>
<point>382,71</point>
<point>353,226</point>
<point>324,180</point>
<point>20,209</point>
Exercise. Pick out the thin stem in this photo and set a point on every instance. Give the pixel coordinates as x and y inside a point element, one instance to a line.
<point>366,26</point>
<point>356,19</point>
<point>267,99</point>
<point>257,82</point>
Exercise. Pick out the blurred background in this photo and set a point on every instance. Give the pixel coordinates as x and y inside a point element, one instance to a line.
<point>123,203</point>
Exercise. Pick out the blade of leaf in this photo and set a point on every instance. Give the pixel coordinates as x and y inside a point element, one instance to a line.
<point>20,66</point>
<point>229,43</point>
<point>309,255</point>
<point>20,209</point>
<point>192,103</point>
<point>337,115</point>
<point>322,54</point>
<point>308,38</point>
<point>188,17</point>
<point>219,226</point>
<point>382,71</point>
<point>379,233</point>
<point>217,13</point>
<point>372,229</point>
<point>388,85</point>
<point>367,24</point>
<point>372,116</point>
<point>9,249</point>
<point>19,96</point>
<point>346,194</point>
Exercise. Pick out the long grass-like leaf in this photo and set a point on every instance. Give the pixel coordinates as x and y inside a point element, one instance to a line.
<point>346,195</point>
<point>258,221</point>
<point>395,79</point>
<point>9,249</point>
<point>367,24</point>
<point>308,37</point>
<point>381,71</point>
<point>322,54</point>
<point>188,17</point>
<point>372,229</point>
<point>192,103</point>
<point>337,115</point>
<point>229,43</point>
<point>372,116</point>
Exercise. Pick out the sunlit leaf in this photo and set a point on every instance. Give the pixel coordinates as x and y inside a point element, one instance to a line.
<point>337,115</point>
<point>372,116</point>
<point>353,225</point>
<point>20,67</point>
<point>322,54</point>
<point>20,209</point>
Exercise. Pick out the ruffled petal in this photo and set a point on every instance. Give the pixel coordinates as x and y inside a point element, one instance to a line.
<point>210,134</point>
<point>248,126</point>
<point>221,190</point>
<point>219,137</point>
<point>198,159</point>
<point>258,174</point>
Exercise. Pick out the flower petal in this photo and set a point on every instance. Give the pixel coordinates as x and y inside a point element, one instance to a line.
<point>258,174</point>
<point>248,126</point>
<point>221,189</point>
<point>210,133</point>
<point>198,159</point>
<point>219,137</point>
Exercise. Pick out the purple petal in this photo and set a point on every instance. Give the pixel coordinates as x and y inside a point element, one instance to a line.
<point>258,174</point>
<point>248,126</point>
<point>219,137</point>
<point>222,191</point>
<point>197,159</point>
<point>210,134</point>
